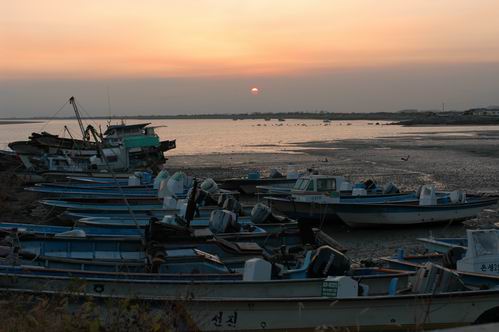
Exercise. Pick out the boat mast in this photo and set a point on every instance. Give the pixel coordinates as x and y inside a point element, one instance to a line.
<point>78,117</point>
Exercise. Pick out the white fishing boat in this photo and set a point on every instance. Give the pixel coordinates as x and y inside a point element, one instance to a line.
<point>457,207</point>
<point>436,299</point>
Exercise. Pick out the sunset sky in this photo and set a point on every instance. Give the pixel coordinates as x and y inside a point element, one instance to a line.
<point>195,56</point>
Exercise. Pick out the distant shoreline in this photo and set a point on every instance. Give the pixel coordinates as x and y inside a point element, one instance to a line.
<point>390,116</point>
<point>399,118</point>
<point>6,122</point>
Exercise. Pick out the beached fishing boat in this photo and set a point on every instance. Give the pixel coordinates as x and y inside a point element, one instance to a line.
<point>414,262</point>
<point>315,184</point>
<point>437,299</point>
<point>121,147</point>
<point>315,196</point>
<point>426,206</point>
<point>81,230</point>
<point>248,185</point>
<point>410,213</point>
<point>292,283</point>
<point>76,210</point>
<point>136,228</point>
<point>443,245</point>
<point>139,184</point>
<point>476,263</point>
<point>221,238</point>
<point>321,208</point>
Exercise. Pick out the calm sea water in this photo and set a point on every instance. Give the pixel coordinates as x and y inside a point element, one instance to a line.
<point>228,136</point>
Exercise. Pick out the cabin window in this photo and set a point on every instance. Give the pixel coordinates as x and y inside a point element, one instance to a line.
<point>310,186</point>
<point>305,184</point>
<point>326,185</point>
<point>299,183</point>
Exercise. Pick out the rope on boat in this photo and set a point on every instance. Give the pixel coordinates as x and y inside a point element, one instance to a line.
<point>125,199</point>
<point>53,116</point>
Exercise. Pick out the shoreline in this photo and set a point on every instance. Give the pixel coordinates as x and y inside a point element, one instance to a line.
<point>7,122</point>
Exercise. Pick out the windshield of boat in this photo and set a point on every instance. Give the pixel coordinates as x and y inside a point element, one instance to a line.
<point>326,185</point>
<point>304,184</point>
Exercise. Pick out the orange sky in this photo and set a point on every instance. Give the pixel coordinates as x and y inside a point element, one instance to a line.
<point>191,38</point>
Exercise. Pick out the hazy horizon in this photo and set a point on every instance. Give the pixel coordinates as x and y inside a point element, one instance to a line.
<point>199,57</point>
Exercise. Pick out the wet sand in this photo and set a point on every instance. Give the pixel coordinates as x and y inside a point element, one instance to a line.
<point>467,160</point>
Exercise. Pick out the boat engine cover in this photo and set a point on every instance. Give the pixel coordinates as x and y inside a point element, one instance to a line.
<point>328,262</point>
<point>390,188</point>
<point>210,186</point>
<point>222,221</point>
<point>260,213</point>
<point>162,175</point>
<point>232,204</point>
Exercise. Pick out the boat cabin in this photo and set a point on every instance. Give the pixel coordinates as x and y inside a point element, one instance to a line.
<point>61,164</point>
<point>320,184</point>
<point>114,134</point>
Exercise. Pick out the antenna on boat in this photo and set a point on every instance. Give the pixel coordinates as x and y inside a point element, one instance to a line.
<point>109,106</point>
<point>78,117</point>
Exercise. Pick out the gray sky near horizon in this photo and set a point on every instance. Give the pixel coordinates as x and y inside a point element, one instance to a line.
<point>460,86</point>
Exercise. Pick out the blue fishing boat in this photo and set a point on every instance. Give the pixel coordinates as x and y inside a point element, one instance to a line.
<point>80,230</point>
<point>248,185</point>
<point>103,192</point>
<point>444,244</point>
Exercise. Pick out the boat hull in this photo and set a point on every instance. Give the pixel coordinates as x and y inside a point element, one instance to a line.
<point>372,313</point>
<point>326,212</point>
<point>179,286</point>
<point>368,215</point>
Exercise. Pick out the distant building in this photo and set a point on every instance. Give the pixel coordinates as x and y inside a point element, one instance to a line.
<point>483,111</point>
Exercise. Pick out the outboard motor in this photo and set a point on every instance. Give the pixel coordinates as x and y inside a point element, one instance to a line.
<point>231,204</point>
<point>328,262</point>
<point>457,196</point>
<point>133,180</point>
<point>452,256</point>
<point>158,231</point>
<point>210,186</point>
<point>369,184</point>
<point>260,213</point>
<point>222,197</point>
<point>428,195</point>
<point>162,175</point>
<point>223,221</point>
<point>359,189</point>
<point>275,174</point>
<point>390,188</point>
<point>177,183</point>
